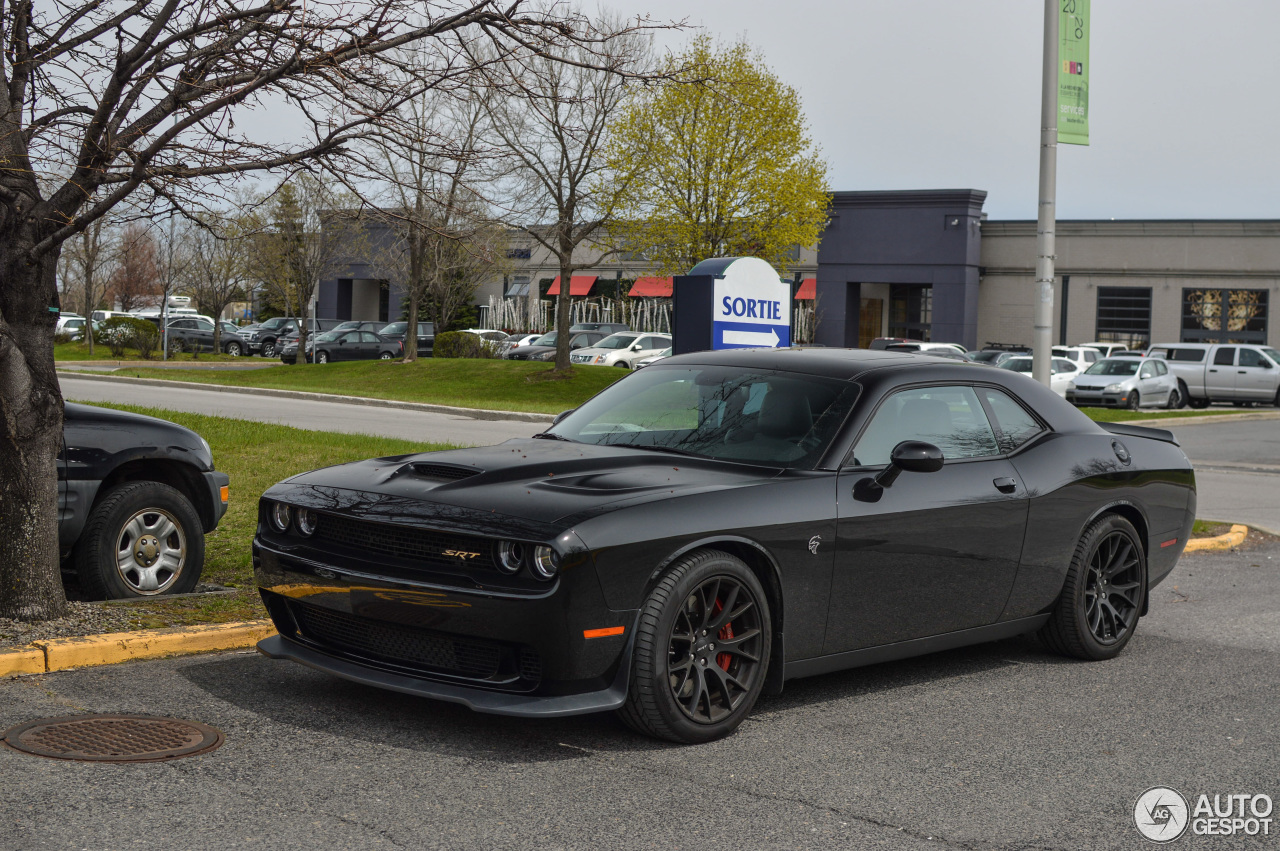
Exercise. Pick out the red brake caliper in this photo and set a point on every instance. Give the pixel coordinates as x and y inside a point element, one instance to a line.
<point>726,631</point>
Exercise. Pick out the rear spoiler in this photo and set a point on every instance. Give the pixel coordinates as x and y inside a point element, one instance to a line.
<point>1141,431</point>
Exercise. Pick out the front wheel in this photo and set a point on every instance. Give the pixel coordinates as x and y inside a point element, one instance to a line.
<point>322,357</point>
<point>142,539</point>
<point>1134,400</point>
<point>701,650</point>
<point>269,349</point>
<point>385,356</point>
<point>233,349</point>
<point>1097,612</point>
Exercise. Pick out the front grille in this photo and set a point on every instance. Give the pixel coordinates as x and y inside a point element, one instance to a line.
<point>418,545</point>
<point>416,648</point>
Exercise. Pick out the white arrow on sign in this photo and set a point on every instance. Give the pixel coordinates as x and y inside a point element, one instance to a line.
<point>752,338</point>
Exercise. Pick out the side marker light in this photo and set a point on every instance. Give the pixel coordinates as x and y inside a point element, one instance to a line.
<point>604,632</point>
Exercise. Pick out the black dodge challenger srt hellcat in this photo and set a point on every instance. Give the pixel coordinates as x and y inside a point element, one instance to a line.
<point>718,523</point>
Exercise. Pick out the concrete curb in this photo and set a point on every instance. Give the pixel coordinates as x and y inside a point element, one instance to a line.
<point>1234,538</point>
<point>1171,422</point>
<point>471,413</point>
<point>60,654</point>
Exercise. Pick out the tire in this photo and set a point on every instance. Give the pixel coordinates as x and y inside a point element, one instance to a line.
<point>142,539</point>
<point>177,346</point>
<point>269,349</point>
<point>1183,393</point>
<point>673,700</point>
<point>1175,399</point>
<point>1082,627</point>
<point>322,357</point>
<point>233,349</point>
<point>1198,404</point>
<point>1276,401</point>
<point>385,356</point>
<point>1135,400</point>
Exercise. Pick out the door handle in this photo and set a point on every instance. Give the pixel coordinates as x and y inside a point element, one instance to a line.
<point>1213,370</point>
<point>1242,372</point>
<point>1005,484</point>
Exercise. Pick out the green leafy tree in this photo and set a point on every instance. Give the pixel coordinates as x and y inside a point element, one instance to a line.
<point>719,167</point>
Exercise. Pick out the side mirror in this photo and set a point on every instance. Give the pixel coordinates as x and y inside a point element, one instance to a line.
<point>911,456</point>
<point>562,415</point>
<point>636,347</point>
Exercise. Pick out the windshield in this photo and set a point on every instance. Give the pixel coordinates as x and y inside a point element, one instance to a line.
<point>330,336</point>
<point>545,340</point>
<point>762,417</point>
<point>985,356</point>
<point>273,324</point>
<point>617,341</point>
<point>1114,367</point>
<point>395,328</point>
<point>1273,354</point>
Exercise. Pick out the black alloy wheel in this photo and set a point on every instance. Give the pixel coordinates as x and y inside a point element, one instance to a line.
<point>1134,400</point>
<point>701,652</point>
<point>1098,610</point>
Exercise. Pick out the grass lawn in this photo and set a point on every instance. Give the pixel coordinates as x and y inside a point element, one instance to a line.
<point>1120,415</point>
<point>499,385</point>
<point>101,351</point>
<point>255,456</point>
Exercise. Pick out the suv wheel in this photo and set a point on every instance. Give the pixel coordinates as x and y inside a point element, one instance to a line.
<point>269,349</point>
<point>142,539</point>
<point>233,349</point>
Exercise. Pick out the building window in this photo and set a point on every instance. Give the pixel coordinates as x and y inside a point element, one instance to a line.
<point>1124,316</point>
<point>1224,316</point>
<point>910,311</point>
<point>519,287</point>
<point>520,253</point>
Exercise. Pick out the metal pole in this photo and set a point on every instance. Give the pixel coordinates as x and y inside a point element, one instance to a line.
<point>1041,340</point>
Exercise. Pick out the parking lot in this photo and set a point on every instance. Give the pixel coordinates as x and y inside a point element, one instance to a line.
<point>996,746</point>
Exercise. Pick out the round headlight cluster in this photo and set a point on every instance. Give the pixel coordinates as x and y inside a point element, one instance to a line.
<point>303,520</point>
<point>542,561</point>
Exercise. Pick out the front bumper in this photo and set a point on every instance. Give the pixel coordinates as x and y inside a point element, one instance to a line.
<point>215,481</point>
<point>1098,399</point>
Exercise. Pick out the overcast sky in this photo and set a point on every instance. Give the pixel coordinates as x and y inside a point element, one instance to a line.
<point>926,94</point>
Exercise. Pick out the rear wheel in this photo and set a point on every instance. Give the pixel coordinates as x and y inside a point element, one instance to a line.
<point>1097,612</point>
<point>701,650</point>
<point>385,356</point>
<point>1197,403</point>
<point>142,539</point>
<point>1175,399</point>
<point>1183,393</point>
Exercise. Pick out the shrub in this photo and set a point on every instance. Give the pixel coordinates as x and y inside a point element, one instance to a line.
<point>129,332</point>
<point>459,344</point>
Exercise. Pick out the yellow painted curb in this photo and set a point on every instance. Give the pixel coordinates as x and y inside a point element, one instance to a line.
<point>25,660</point>
<point>1234,538</point>
<point>59,654</point>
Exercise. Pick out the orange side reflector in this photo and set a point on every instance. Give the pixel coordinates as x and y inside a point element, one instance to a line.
<point>225,492</point>
<point>606,631</point>
<point>1169,543</point>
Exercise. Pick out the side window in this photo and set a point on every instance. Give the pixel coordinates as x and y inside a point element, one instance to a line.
<point>1161,369</point>
<point>1224,357</point>
<point>1090,356</point>
<point>368,336</point>
<point>948,417</point>
<point>1014,424</point>
<point>1148,371</point>
<point>1248,357</point>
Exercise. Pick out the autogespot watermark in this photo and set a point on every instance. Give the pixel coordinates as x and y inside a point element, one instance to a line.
<point>1163,815</point>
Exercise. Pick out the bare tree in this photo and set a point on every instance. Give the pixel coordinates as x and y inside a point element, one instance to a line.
<point>173,258</point>
<point>218,271</point>
<point>107,101</point>
<point>554,120</point>
<point>136,280</point>
<point>85,263</point>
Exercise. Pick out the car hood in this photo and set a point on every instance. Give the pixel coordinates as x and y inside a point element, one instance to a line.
<point>544,483</point>
<point>1097,382</point>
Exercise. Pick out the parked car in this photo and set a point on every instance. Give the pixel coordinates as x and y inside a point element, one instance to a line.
<point>624,349</point>
<point>426,335</point>
<point>261,339</point>
<point>995,354</point>
<point>136,496</point>
<point>544,348</point>
<point>71,324</point>
<point>1126,382</point>
<point>1061,371</point>
<point>882,343</point>
<point>515,341</point>
<point>346,345</point>
<point>605,328</point>
<point>640,554</point>
<point>1213,372</point>
<point>1105,349</point>
<point>314,326</point>
<point>917,346</point>
<point>652,359</point>
<point>1082,356</point>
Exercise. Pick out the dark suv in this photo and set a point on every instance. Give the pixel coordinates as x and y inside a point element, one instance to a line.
<point>262,339</point>
<point>136,496</point>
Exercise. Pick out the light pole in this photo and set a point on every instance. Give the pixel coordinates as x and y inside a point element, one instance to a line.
<point>1041,339</point>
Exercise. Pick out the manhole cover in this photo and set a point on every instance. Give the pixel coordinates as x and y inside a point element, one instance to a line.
<point>113,738</point>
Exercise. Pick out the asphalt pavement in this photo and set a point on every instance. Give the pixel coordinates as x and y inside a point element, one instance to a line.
<point>997,746</point>
<point>304,413</point>
<point>1237,466</point>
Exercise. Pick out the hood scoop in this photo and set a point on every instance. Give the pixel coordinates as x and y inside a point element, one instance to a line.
<point>615,482</point>
<point>438,473</point>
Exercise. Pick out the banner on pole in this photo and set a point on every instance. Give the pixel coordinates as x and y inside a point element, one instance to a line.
<point>1073,72</point>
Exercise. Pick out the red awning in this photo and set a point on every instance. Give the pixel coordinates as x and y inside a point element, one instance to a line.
<point>653,287</point>
<point>579,285</point>
<point>808,289</point>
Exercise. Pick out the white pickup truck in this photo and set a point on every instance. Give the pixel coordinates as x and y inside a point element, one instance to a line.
<point>1222,372</point>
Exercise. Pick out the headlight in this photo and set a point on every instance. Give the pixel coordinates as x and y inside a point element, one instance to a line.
<point>1071,385</point>
<point>547,355</point>
<point>545,562</point>
<point>1113,388</point>
<point>511,556</point>
<point>280,516</point>
<point>600,358</point>
<point>306,522</point>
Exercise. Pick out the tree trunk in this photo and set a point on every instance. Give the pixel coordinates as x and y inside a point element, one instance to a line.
<point>411,329</point>
<point>30,427</point>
